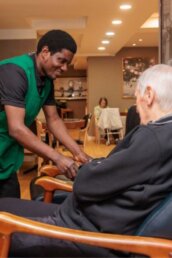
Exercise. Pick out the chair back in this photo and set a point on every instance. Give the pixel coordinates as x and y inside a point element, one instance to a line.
<point>132,119</point>
<point>158,223</point>
<point>87,119</point>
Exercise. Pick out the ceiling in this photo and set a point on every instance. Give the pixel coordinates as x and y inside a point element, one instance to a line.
<point>86,20</point>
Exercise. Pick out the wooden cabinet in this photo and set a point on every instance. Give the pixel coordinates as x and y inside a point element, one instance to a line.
<point>72,90</point>
<point>77,105</point>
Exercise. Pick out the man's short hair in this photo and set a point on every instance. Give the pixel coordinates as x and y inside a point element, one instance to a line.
<point>56,40</point>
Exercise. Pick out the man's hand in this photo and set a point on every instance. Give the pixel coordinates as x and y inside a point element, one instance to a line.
<point>67,166</point>
<point>82,157</point>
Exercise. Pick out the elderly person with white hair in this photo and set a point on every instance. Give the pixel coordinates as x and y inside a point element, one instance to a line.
<point>113,194</point>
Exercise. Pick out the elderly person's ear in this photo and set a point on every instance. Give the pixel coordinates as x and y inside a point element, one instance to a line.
<point>149,95</point>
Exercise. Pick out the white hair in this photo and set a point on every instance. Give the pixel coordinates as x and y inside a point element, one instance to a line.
<point>159,78</point>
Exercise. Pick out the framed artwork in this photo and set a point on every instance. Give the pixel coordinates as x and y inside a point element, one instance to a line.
<point>132,69</point>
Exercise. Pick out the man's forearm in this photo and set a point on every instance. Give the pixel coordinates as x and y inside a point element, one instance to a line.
<point>59,130</point>
<point>30,141</point>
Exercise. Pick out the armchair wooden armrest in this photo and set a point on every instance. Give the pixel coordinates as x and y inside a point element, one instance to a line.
<point>50,184</point>
<point>152,247</point>
<point>49,170</point>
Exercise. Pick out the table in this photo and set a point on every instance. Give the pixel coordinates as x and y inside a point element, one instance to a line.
<point>74,126</point>
<point>65,112</point>
<point>74,123</point>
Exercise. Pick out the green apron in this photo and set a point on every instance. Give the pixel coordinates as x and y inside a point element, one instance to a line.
<point>11,152</point>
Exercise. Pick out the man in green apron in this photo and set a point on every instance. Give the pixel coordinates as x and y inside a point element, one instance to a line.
<point>26,86</point>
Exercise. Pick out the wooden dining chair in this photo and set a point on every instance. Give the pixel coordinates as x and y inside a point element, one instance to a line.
<point>29,155</point>
<point>38,128</point>
<point>46,136</point>
<point>83,131</point>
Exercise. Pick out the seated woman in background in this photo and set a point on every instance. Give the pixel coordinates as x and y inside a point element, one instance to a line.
<point>103,103</point>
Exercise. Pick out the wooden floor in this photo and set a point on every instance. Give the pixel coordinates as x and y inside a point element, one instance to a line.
<point>91,148</point>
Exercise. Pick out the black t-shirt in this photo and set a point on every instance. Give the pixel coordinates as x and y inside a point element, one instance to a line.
<point>14,84</point>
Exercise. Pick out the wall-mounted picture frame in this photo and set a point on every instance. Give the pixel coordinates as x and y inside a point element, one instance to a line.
<point>132,69</point>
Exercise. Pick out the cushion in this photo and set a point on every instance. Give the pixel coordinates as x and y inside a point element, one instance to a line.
<point>158,223</point>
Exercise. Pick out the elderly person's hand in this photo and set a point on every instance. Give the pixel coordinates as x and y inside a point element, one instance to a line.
<point>67,166</point>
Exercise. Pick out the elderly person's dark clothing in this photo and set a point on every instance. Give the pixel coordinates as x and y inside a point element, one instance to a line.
<point>112,194</point>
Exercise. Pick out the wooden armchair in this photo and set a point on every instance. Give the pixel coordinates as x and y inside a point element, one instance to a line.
<point>46,187</point>
<point>157,224</point>
<point>152,247</point>
<point>50,185</point>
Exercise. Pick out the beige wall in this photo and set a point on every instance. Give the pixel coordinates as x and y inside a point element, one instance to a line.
<point>9,48</point>
<point>105,77</point>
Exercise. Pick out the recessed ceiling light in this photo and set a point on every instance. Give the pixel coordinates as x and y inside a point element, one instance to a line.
<point>140,40</point>
<point>134,44</point>
<point>125,6</point>
<point>116,22</point>
<point>152,22</point>
<point>110,33</point>
<point>101,48</point>
<point>105,42</point>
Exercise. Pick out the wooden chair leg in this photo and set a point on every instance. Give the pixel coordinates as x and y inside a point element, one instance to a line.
<point>4,245</point>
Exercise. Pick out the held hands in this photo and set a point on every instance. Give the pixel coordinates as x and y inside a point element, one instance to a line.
<point>67,166</point>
